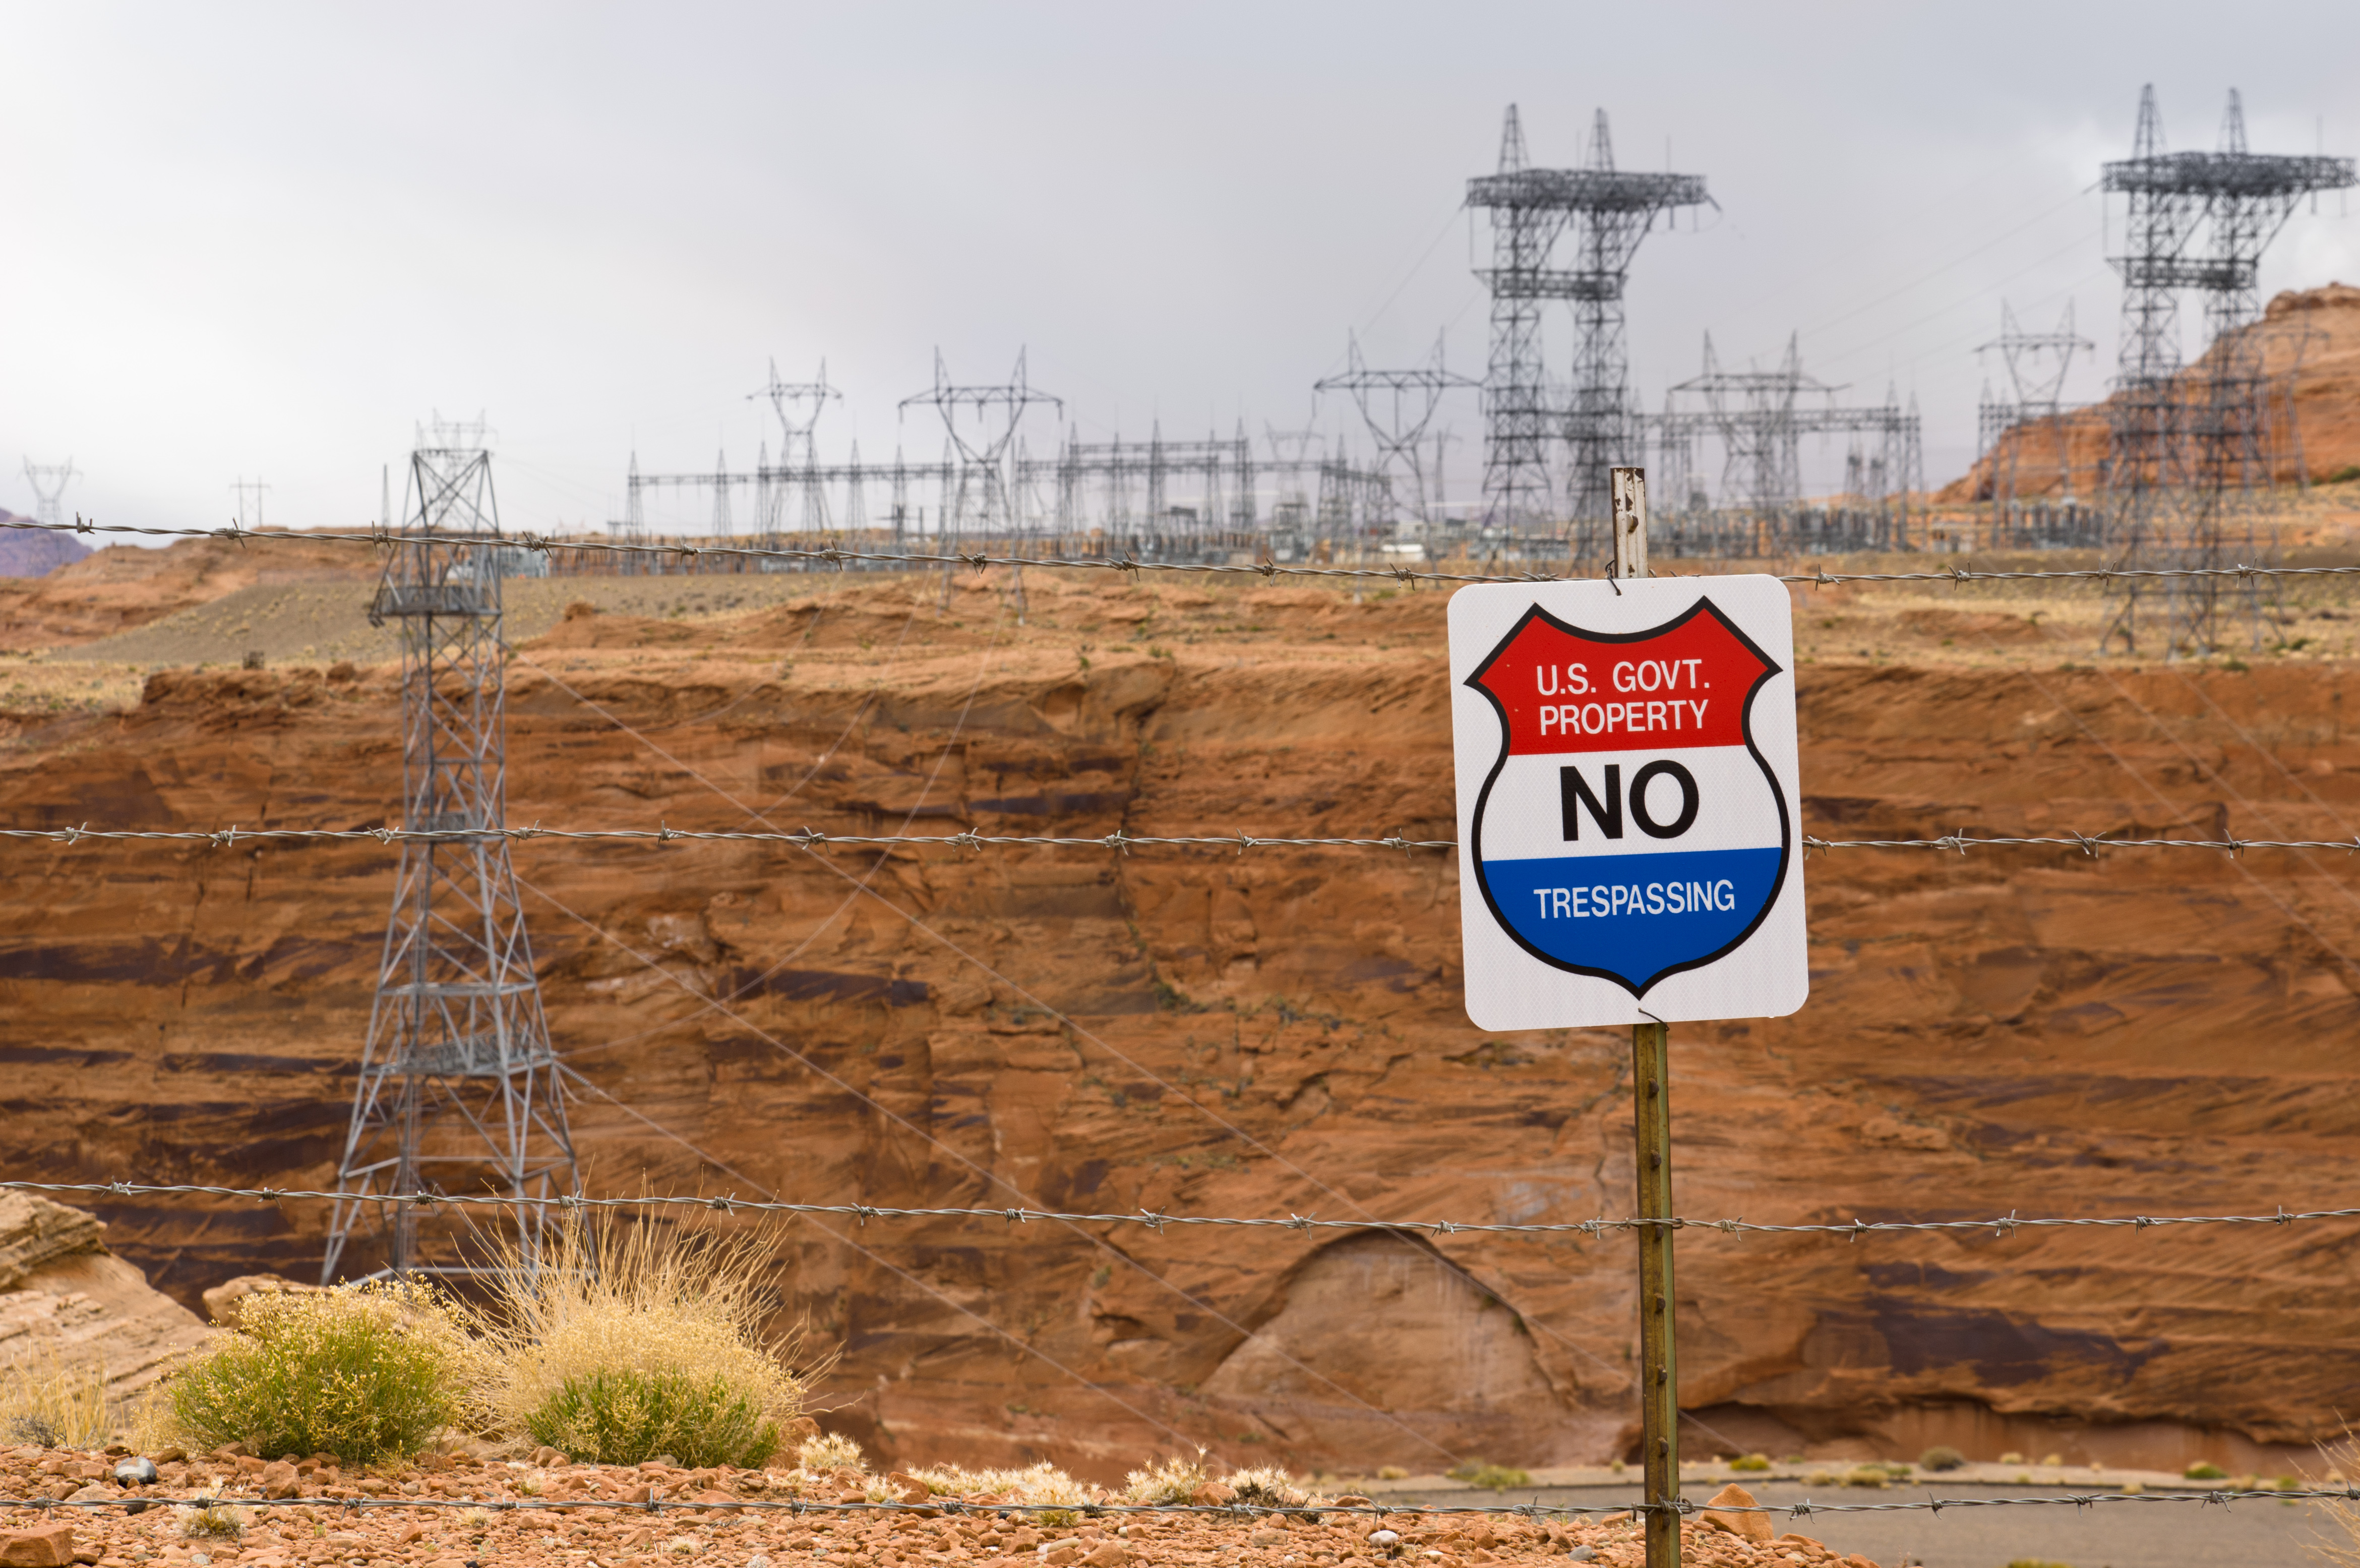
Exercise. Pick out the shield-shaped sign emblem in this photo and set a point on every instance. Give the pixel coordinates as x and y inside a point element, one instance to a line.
<point>1630,829</point>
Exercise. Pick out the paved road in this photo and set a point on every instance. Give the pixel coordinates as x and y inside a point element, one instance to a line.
<point>2114,1535</point>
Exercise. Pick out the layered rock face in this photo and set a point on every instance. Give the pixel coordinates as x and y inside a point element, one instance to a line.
<point>66,1302</point>
<point>1270,1032</point>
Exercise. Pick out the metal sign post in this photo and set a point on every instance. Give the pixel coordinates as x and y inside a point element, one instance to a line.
<point>1659,1398</point>
<point>1628,771</point>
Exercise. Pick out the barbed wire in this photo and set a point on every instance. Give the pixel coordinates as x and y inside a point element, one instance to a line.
<point>934,1506</point>
<point>803,837</point>
<point>837,556</point>
<point>1852,1230</point>
<point>1119,840</point>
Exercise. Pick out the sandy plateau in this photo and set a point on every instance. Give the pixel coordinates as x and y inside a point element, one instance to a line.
<point>1261,1033</point>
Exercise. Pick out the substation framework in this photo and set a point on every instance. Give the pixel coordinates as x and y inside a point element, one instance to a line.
<point>2185,444</point>
<point>1758,419</point>
<point>1605,213</point>
<point>460,1091</point>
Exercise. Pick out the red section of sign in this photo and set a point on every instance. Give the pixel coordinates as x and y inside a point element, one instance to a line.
<point>1564,690</point>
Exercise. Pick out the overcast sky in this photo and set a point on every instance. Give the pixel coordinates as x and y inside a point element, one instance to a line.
<point>265,240</point>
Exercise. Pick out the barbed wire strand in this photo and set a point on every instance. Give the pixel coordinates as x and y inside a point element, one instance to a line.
<point>937,1507</point>
<point>1852,1230</point>
<point>1120,840</point>
<point>834,555</point>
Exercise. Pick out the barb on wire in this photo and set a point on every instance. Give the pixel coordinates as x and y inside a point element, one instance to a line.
<point>1850,1230</point>
<point>1120,840</point>
<point>133,1502</point>
<point>835,555</point>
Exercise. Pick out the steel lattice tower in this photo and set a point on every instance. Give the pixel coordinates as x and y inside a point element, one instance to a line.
<point>49,481</point>
<point>1397,406</point>
<point>1608,212</point>
<point>459,1090</point>
<point>2179,443</point>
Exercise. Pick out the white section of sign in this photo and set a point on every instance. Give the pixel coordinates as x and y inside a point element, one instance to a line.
<point>1527,802</point>
<point>1536,959</point>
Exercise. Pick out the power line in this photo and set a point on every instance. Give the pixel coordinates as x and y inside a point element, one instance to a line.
<point>2005,1226</point>
<point>1119,840</point>
<point>832,555</point>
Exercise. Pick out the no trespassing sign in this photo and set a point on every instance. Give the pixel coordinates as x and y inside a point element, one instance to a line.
<point>1627,799</point>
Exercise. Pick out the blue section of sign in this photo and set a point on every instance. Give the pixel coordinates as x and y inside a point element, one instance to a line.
<point>1634,916</point>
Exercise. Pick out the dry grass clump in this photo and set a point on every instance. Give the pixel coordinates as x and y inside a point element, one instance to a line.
<point>831,1451</point>
<point>213,1520</point>
<point>1265,1487</point>
<point>1043,1485</point>
<point>363,1373</point>
<point>56,1403</point>
<point>625,1339</point>
<point>1172,1481</point>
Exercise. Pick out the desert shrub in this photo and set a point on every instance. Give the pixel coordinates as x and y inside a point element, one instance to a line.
<point>2035,1562</point>
<point>1490,1477</point>
<point>1169,1481</point>
<point>362,1373</point>
<point>214,1520</point>
<point>56,1403</point>
<point>1873,1477</point>
<point>1750,1461</point>
<point>2011,1459</point>
<point>1264,1486</point>
<point>2200,1471</point>
<point>622,1340</point>
<point>1393,1473</point>
<point>623,1416</point>
<point>831,1451</point>
<point>1942,1459</point>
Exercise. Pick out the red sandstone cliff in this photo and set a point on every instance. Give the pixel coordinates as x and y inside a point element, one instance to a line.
<point>1278,1031</point>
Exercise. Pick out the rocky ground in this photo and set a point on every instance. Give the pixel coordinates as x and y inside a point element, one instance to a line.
<point>280,1534</point>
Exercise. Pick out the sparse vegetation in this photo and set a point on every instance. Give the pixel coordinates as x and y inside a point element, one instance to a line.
<point>1491,1478</point>
<point>626,1340</point>
<point>366,1372</point>
<point>56,1403</point>
<point>1939,1459</point>
<point>2200,1471</point>
<point>624,1416</point>
<point>1265,1487</point>
<point>833,1451</point>
<point>1393,1473</point>
<point>1169,1481</point>
<point>1751,1463</point>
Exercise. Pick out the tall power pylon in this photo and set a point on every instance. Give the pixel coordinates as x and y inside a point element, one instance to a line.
<point>2179,442</point>
<point>1608,212</point>
<point>1397,406</point>
<point>49,481</point>
<point>2037,364</point>
<point>994,411</point>
<point>460,1091</point>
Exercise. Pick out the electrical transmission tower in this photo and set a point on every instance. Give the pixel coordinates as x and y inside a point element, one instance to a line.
<point>2179,441</point>
<point>798,405</point>
<point>249,494</point>
<point>994,412</point>
<point>1397,406</point>
<point>459,1089</point>
<point>1608,212</point>
<point>49,481</point>
<point>2038,363</point>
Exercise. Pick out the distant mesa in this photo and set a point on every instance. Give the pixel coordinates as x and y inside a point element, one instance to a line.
<point>24,553</point>
<point>2310,341</point>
